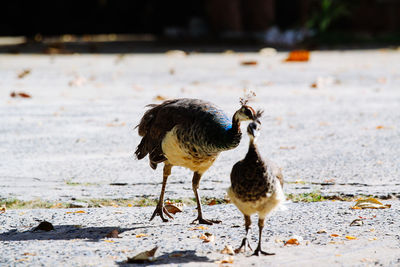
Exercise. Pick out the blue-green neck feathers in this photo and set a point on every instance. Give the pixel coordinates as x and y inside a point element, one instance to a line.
<point>227,134</point>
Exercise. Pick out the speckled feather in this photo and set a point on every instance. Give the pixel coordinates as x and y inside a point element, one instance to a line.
<point>253,178</point>
<point>200,126</point>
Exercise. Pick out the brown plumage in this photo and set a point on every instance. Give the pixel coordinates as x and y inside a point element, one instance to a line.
<point>256,185</point>
<point>189,133</point>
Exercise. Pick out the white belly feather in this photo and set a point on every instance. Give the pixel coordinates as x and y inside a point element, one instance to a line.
<point>179,156</point>
<point>262,206</point>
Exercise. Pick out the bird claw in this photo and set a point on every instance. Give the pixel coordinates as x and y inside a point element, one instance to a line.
<point>205,221</point>
<point>243,245</point>
<point>257,251</point>
<point>160,211</point>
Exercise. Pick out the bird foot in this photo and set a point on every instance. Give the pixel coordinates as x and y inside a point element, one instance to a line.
<point>258,250</point>
<point>205,221</point>
<point>160,211</point>
<point>245,243</point>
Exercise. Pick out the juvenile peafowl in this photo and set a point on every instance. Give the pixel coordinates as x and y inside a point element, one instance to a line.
<point>256,185</point>
<point>189,133</point>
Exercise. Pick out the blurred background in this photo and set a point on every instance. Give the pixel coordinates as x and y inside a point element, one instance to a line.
<point>90,25</point>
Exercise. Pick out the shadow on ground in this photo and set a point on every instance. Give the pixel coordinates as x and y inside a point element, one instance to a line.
<point>174,257</point>
<point>65,232</point>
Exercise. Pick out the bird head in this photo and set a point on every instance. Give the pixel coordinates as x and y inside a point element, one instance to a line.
<point>245,113</point>
<point>254,127</point>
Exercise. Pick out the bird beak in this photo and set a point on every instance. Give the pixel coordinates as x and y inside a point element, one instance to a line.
<point>251,129</point>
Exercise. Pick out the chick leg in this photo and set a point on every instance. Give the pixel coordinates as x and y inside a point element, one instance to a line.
<point>195,186</point>
<point>160,209</point>
<point>245,241</point>
<point>258,249</point>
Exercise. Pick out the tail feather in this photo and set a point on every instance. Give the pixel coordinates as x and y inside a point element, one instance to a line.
<point>156,121</point>
<point>147,119</point>
<point>149,144</point>
<point>140,150</point>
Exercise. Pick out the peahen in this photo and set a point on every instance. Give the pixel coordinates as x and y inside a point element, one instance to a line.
<point>189,133</point>
<point>256,185</point>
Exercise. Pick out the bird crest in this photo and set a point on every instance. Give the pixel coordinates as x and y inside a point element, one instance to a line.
<point>258,114</point>
<point>246,98</point>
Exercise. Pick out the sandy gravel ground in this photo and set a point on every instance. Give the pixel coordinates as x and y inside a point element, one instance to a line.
<point>74,139</point>
<point>79,238</point>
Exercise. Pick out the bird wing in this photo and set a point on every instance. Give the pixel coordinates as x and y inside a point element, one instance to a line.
<point>160,119</point>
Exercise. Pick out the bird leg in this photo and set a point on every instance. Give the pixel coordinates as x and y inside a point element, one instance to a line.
<point>195,186</point>
<point>245,241</point>
<point>258,249</point>
<point>160,209</point>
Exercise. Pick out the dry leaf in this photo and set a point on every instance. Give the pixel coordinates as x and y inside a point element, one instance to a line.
<point>228,250</point>
<point>142,257</point>
<point>78,211</point>
<point>174,208</point>
<point>29,254</point>
<point>249,63</point>
<point>23,259</point>
<point>322,231</point>
<point>370,203</point>
<point>335,235</point>
<point>349,237</point>
<point>113,234</point>
<point>287,147</point>
<point>212,202</point>
<point>292,241</point>
<point>57,205</point>
<point>207,237</point>
<point>20,94</point>
<point>108,241</point>
<point>298,56</point>
<point>176,53</point>
<point>357,222</point>
<point>366,260</point>
<point>372,239</point>
<point>45,226</point>
<point>141,235</point>
<point>3,209</point>
<point>23,73</point>
<point>77,81</point>
<point>226,260</point>
<point>115,124</point>
<point>159,98</point>
<point>229,52</point>
<point>201,227</point>
<point>322,82</point>
<point>268,51</point>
